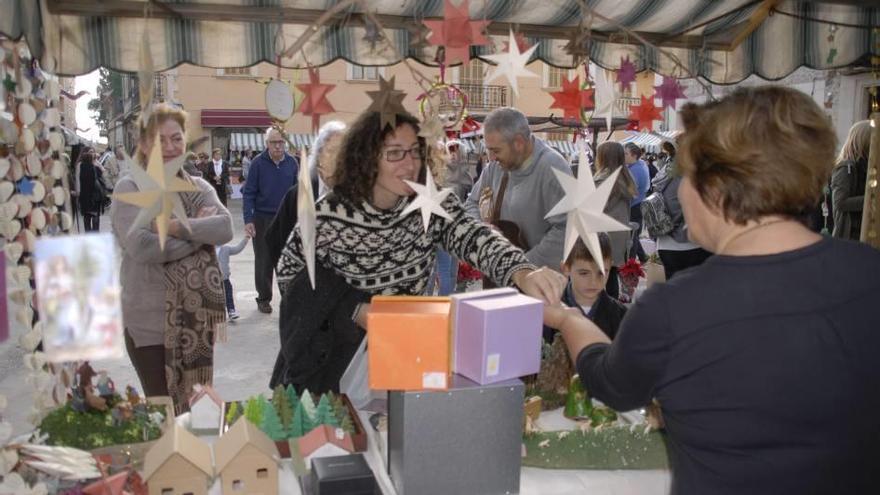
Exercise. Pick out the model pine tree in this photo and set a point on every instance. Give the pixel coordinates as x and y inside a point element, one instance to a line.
<point>271,424</point>
<point>324,413</point>
<point>233,412</point>
<point>298,422</point>
<point>253,410</point>
<point>292,398</point>
<point>347,425</point>
<point>282,406</point>
<point>339,408</point>
<point>308,405</point>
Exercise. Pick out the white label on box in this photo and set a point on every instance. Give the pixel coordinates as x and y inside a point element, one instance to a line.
<point>434,379</point>
<point>493,363</point>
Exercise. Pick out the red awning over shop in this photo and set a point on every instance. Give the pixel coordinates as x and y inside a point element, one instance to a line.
<point>235,118</point>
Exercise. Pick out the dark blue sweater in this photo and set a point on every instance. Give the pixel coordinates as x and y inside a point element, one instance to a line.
<point>266,185</point>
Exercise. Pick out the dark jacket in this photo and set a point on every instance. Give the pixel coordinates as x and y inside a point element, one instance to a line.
<point>266,185</point>
<point>222,185</point>
<point>285,220</point>
<point>666,183</point>
<point>606,313</point>
<point>318,336</point>
<point>848,197</point>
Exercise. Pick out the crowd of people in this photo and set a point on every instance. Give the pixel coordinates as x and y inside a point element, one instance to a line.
<point>759,363</point>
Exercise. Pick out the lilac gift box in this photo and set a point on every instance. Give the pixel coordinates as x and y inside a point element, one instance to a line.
<point>497,335</point>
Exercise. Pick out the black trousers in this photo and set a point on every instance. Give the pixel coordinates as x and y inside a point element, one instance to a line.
<point>263,269</point>
<point>91,222</point>
<point>676,261</point>
<point>635,215</point>
<point>149,363</point>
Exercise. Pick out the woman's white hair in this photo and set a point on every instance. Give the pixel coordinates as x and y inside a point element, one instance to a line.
<point>326,132</point>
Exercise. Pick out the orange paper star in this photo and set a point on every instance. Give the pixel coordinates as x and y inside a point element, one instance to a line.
<point>457,32</point>
<point>645,114</point>
<point>571,99</point>
<point>315,101</point>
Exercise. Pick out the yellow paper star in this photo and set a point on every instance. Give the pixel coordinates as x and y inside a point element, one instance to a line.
<point>157,193</point>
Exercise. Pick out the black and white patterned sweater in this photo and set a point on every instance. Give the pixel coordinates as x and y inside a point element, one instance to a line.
<point>380,252</point>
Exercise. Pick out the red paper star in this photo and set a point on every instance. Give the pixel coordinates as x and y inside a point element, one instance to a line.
<point>571,99</point>
<point>315,101</point>
<point>645,114</point>
<point>626,74</point>
<point>457,32</point>
<point>669,91</point>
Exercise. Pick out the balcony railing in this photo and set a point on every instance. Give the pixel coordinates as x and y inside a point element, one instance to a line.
<point>483,97</point>
<point>623,103</point>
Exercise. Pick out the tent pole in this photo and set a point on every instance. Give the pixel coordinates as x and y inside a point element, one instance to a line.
<point>871,211</point>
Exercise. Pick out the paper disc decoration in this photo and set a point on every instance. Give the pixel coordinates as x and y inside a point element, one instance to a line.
<point>4,167</point>
<point>279,100</point>
<point>27,114</point>
<point>446,102</point>
<point>56,141</point>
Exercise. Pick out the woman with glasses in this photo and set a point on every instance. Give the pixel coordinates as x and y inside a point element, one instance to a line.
<point>364,240</point>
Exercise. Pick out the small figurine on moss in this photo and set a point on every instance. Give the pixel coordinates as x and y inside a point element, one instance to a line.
<point>106,387</point>
<point>577,404</point>
<point>131,394</point>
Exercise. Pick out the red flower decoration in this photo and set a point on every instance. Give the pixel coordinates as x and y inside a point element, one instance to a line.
<point>457,32</point>
<point>315,101</point>
<point>571,99</point>
<point>669,91</point>
<point>467,272</point>
<point>645,114</point>
<point>626,74</point>
<point>631,269</point>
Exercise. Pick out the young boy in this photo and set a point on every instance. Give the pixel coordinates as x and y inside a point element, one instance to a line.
<point>586,287</point>
<point>223,254</point>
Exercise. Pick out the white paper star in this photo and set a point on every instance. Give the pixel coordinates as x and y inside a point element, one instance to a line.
<point>585,204</point>
<point>306,216</point>
<point>511,64</point>
<point>604,97</point>
<point>157,193</point>
<point>428,200</point>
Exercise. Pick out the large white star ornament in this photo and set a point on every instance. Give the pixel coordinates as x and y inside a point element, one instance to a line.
<point>585,204</point>
<point>157,194</point>
<point>306,216</point>
<point>604,97</point>
<point>428,199</point>
<point>511,64</point>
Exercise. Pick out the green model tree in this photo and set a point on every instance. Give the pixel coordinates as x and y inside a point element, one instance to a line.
<point>324,413</point>
<point>347,425</point>
<point>308,405</point>
<point>281,404</point>
<point>292,398</point>
<point>233,412</point>
<point>253,410</point>
<point>298,423</point>
<point>271,424</point>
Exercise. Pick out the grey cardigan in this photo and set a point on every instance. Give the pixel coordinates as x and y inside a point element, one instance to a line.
<point>142,272</point>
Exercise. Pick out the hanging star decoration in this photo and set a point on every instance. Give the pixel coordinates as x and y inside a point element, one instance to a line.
<point>432,129</point>
<point>669,92</point>
<point>314,102</point>
<point>578,45</point>
<point>584,203</point>
<point>387,101</point>
<point>511,64</point>
<point>306,216</point>
<point>626,75</point>
<point>146,84</point>
<point>373,34</point>
<point>457,32</point>
<point>418,36</point>
<point>572,98</point>
<point>157,193</point>
<point>25,186</point>
<point>604,97</point>
<point>428,200</point>
<point>645,114</point>
<point>521,43</point>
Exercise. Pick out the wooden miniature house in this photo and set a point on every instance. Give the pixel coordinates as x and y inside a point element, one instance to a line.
<point>178,464</point>
<point>247,460</point>
<point>324,441</point>
<point>206,408</point>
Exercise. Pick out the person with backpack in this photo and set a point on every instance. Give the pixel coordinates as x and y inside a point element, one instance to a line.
<point>848,182</point>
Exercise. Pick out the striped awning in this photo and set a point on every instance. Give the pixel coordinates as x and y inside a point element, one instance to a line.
<point>650,142</point>
<point>239,141</point>
<point>83,35</point>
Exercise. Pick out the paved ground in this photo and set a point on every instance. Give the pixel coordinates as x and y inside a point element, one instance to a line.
<point>242,365</point>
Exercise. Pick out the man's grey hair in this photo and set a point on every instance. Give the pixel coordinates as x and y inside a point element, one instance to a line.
<point>327,131</point>
<point>509,122</point>
<point>266,135</point>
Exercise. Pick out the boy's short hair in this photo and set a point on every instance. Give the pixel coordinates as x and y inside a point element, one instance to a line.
<point>580,251</point>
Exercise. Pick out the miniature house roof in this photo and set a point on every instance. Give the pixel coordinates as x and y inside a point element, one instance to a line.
<point>177,440</point>
<point>113,485</point>
<point>241,434</point>
<point>322,435</point>
<point>203,391</point>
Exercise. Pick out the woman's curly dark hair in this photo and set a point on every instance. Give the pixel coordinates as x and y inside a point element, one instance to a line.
<point>358,160</point>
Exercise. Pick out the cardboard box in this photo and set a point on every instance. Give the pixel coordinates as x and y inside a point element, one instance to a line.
<point>340,475</point>
<point>408,343</point>
<point>464,440</point>
<point>497,336</point>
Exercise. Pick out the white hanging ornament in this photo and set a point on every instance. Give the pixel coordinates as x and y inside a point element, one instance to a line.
<point>26,113</point>
<point>511,64</point>
<point>428,200</point>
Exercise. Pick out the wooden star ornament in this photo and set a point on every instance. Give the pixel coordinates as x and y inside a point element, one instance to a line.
<point>157,194</point>
<point>457,32</point>
<point>571,99</point>
<point>387,101</point>
<point>584,203</point>
<point>315,102</point>
<point>428,200</point>
<point>511,64</point>
<point>645,114</point>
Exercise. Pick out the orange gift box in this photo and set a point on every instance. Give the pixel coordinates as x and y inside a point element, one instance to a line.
<point>409,343</point>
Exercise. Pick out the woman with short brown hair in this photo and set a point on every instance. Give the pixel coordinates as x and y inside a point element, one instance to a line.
<point>763,358</point>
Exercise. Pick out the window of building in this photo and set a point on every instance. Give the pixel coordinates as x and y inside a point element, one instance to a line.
<point>237,72</point>
<point>262,473</point>
<point>472,73</point>
<point>363,73</point>
<point>558,136</point>
<point>553,76</point>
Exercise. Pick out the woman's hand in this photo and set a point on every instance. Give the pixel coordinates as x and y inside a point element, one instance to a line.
<point>206,211</point>
<point>544,284</point>
<point>557,316</point>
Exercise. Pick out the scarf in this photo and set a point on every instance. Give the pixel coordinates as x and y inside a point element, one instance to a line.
<point>195,316</point>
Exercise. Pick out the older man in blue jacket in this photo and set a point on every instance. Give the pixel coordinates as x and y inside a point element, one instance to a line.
<point>272,173</point>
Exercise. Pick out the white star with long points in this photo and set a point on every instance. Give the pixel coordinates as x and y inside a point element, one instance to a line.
<point>604,97</point>
<point>428,199</point>
<point>585,204</point>
<point>306,215</point>
<point>511,64</point>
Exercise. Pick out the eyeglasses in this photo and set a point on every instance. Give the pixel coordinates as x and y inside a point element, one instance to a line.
<point>396,154</point>
<point>276,143</point>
